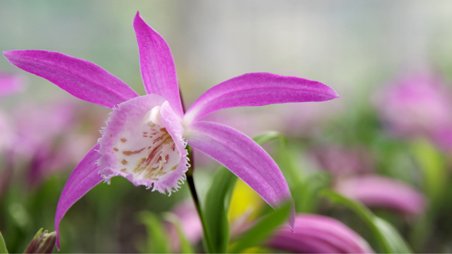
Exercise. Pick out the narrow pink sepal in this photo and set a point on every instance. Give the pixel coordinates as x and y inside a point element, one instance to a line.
<point>258,89</point>
<point>157,65</point>
<point>243,157</point>
<point>80,78</point>
<point>84,178</point>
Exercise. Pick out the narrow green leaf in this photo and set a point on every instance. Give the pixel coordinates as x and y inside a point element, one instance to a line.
<point>3,248</point>
<point>267,137</point>
<point>433,167</point>
<point>184,244</point>
<point>387,238</point>
<point>216,207</point>
<point>260,231</point>
<point>217,203</point>
<point>157,241</point>
<point>306,193</point>
<point>392,237</point>
<point>288,157</point>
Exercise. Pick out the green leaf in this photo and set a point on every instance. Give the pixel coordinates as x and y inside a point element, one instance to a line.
<point>386,237</point>
<point>157,240</point>
<point>3,248</point>
<point>260,231</point>
<point>267,137</point>
<point>288,159</point>
<point>306,193</point>
<point>216,207</point>
<point>217,203</point>
<point>184,244</point>
<point>433,167</point>
<point>392,237</point>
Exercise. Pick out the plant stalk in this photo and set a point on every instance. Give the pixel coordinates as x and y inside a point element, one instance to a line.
<point>195,197</point>
<point>194,193</point>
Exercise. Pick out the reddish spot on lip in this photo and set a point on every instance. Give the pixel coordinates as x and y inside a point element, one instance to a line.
<point>128,153</point>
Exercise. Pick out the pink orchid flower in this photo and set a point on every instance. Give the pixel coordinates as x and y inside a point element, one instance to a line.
<point>145,139</point>
<point>424,100</point>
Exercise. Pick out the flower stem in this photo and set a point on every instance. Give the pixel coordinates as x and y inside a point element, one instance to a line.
<point>194,194</point>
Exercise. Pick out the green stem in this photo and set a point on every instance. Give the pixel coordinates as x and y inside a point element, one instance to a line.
<point>194,194</point>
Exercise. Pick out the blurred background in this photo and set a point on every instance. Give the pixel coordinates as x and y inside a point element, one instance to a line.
<point>390,61</point>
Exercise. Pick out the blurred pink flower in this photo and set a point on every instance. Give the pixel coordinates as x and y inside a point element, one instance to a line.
<point>342,161</point>
<point>10,84</point>
<point>417,105</point>
<point>47,139</point>
<point>318,234</point>
<point>383,192</point>
<point>36,125</point>
<point>190,224</point>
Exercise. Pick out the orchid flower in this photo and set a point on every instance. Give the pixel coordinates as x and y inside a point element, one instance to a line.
<point>424,100</point>
<point>318,234</point>
<point>145,138</point>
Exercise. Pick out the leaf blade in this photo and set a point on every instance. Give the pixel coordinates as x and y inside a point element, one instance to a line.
<point>3,248</point>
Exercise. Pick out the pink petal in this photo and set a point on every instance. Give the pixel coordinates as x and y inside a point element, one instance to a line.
<point>143,143</point>
<point>157,65</point>
<point>318,234</point>
<point>80,78</point>
<point>258,89</point>
<point>376,191</point>
<point>243,157</point>
<point>84,178</point>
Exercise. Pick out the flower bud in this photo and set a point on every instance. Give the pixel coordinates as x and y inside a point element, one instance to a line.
<point>43,242</point>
